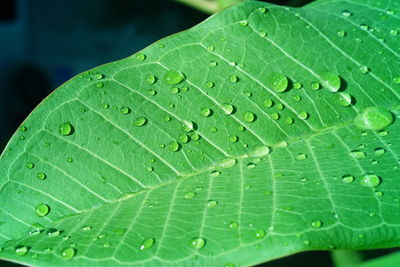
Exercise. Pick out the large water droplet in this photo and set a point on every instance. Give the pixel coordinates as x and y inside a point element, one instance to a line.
<point>249,116</point>
<point>124,110</point>
<point>261,151</point>
<point>374,118</point>
<point>21,250</point>
<point>227,163</point>
<point>68,253</point>
<point>278,82</point>
<point>42,209</point>
<point>173,77</point>
<point>140,121</point>
<point>147,243</point>
<point>228,108</point>
<point>174,146</point>
<point>316,224</point>
<point>371,180</point>
<point>206,112</point>
<point>344,99</point>
<point>65,128</point>
<point>331,81</point>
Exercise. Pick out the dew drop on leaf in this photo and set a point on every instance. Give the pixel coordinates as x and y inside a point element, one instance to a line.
<point>30,165</point>
<point>373,118</point>
<point>173,77</point>
<point>260,234</point>
<point>357,154</point>
<point>174,146</point>
<point>316,224</point>
<point>215,173</point>
<point>379,151</point>
<point>370,180</point>
<point>140,121</point>
<point>147,243</point>
<point>151,79</point>
<point>190,194</point>
<point>233,225</point>
<point>303,115</point>
<point>278,82</point>
<point>228,108</point>
<point>268,103</point>
<point>364,69</point>
<point>212,203</point>
<point>124,110</point>
<point>315,86</point>
<point>227,163</point>
<point>198,242</point>
<point>68,253</point>
<point>206,112</point>
<point>261,151</point>
<point>301,156</point>
<point>65,128</point>
<point>42,210</point>
<point>344,99</point>
<point>346,13</point>
<point>233,78</point>
<point>41,176</point>
<point>347,179</point>
<point>21,250</point>
<point>331,81</point>
<point>249,116</point>
<point>53,232</point>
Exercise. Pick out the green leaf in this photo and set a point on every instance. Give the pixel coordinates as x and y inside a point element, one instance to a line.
<point>390,260</point>
<point>262,132</point>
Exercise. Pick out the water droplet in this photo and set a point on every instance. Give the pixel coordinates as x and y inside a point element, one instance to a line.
<point>379,151</point>
<point>190,194</point>
<point>301,156</point>
<point>357,154</point>
<point>68,253</point>
<point>212,203</point>
<point>140,56</point>
<point>99,76</point>
<point>261,151</point>
<point>53,232</point>
<point>124,110</point>
<point>303,115</point>
<point>331,81</point>
<point>140,121</point>
<point>268,103</point>
<point>233,138</point>
<point>364,69</point>
<point>227,163</point>
<point>213,64</point>
<point>280,106</point>
<point>263,34</point>
<point>373,118</point>
<point>315,86</point>
<point>65,129</point>
<point>229,265</point>
<point>278,82</point>
<point>42,209</point>
<point>344,99</point>
<point>174,90</point>
<point>70,160</point>
<point>233,225</point>
<point>341,33</point>
<point>211,48</point>
<point>371,180</point>
<point>174,146</point>
<point>215,173</point>
<point>297,85</point>
<point>394,32</point>
<point>151,79</point>
<point>30,165</point>
<point>346,13</point>
<point>198,242</point>
<point>275,116</point>
<point>100,85</point>
<point>316,224</point>
<point>206,112</point>
<point>251,165</point>
<point>41,175</point>
<point>187,126</point>
<point>347,179</point>
<point>105,106</point>
<point>233,78</point>
<point>147,243</point>
<point>297,98</point>
<point>21,250</point>
<point>86,228</point>
<point>379,193</point>
<point>173,77</point>
<point>228,108</point>
<point>23,129</point>
<point>396,80</point>
<point>307,242</point>
<point>260,234</point>
<point>249,116</point>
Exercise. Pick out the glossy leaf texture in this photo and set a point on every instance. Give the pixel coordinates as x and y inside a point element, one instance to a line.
<point>261,132</point>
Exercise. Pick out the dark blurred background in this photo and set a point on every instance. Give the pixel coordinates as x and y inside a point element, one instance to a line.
<point>43,43</point>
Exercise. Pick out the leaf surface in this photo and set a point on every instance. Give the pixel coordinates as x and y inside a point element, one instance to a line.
<point>261,132</point>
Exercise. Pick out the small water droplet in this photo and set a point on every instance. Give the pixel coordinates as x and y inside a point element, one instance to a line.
<point>233,138</point>
<point>233,225</point>
<point>42,210</point>
<point>316,224</point>
<point>41,175</point>
<point>364,69</point>
<point>344,99</point>
<point>147,243</point>
<point>213,64</point>
<point>53,232</point>
<point>188,126</point>
<point>347,179</point>
<point>261,151</point>
<point>212,203</point>
<point>198,242</point>
<point>124,110</point>
<point>68,253</point>
<point>357,154</point>
<point>301,156</point>
<point>233,78</point>
<point>268,103</point>
<point>346,13</point>
<point>275,116</point>
<point>190,194</point>
<point>66,129</point>
<point>86,228</point>
<point>23,128</point>
<point>206,112</point>
<point>315,86</point>
<point>260,234</point>
<point>151,79</point>
<point>303,115</point>
<point>215,173</point>
<point>228,108</point>
<point>30,165</point>
<point>379,151</point>
<point>341,33</point>
<point>297,85</point>
<point>173,77</point>
<point>374,118</point>
<point>227,163</point>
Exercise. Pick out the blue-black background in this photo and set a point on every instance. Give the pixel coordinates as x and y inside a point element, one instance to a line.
<point>43,43</point>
